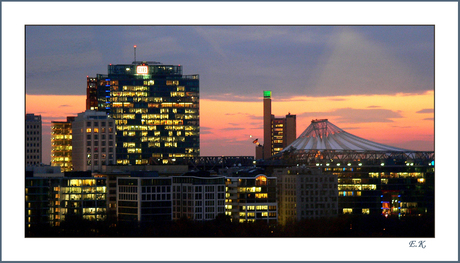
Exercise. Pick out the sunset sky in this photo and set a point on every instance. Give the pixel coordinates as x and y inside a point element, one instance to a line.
<point>376,82</point>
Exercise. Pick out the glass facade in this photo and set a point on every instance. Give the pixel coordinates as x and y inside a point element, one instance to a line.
<point>52,200</point>
<point>61,144</point>
<point>156,112</point>
<point>251,199</point>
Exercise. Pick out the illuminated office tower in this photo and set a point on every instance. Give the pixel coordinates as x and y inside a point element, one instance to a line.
<point>33,139</point>
<point>93,141</point>
<point>61,144</point>
<point>278,132</point>
<point>251,198</point>
<point>156,112</point>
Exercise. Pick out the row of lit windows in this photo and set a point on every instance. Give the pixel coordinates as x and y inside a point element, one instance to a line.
<point>82,196</point>
<point>250,189</point>
<point>263,214</point>
<point>78,190</point>
<point>96,130</point>
<point>396,175</point>
<point>350,210</point>
<point>357,187</point>
<point>138,161</point>
<point>61,137</point>
<point>349,193</point>
<point>130,94</point>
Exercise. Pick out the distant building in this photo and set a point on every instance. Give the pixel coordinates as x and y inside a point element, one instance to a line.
<point>372,178</point>
<point>144,199</point>
<point>93,141</point>
<point>61,144</point>
<point>278,132</point>
<point>198,196</point>
<point>306,193</point>
<point>91,93</point>
<point>53,199</point>
<point>33,139</point>
<point>251,198</point>
<point>162,170</point>
<point>155,108</point>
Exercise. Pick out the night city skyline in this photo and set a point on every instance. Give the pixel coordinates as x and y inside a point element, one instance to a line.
<point>374,78</point>
<point>356,76</point>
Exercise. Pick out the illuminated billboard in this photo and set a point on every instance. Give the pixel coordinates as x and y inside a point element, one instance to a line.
<point>142,70</point>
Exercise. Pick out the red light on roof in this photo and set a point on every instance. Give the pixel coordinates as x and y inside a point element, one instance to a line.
<point>135,46</point>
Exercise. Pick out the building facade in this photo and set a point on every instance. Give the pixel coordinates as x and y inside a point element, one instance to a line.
<point>197,197</point>
<point>155,108</point>
<point>144,199</point>
<point>372,178</point>
<point>33,139</point>
<point>93,141</point>
<point>306,193</point>
<point>251,199</point>
<point>50,200</point>
<point>61,144</point>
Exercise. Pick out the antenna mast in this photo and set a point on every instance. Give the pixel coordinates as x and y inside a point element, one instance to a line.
<point>135,53</point>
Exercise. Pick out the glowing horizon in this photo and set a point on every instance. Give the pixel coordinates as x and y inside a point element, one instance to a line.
<point>229,127</point>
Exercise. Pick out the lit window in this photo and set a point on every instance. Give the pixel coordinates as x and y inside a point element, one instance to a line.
<point>88,129</point>
<point>347,210</point>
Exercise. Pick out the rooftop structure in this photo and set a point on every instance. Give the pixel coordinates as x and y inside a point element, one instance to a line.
<point>323,140</point>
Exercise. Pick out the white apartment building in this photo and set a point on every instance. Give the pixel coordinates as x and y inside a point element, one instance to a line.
<point>93,141</point>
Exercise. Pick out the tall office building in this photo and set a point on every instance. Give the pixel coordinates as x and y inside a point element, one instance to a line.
<point>33,139</point>
<point>61,144</point>
<point>91,90</point>
<point>93,141</point>
<point>278,132</point>
<point>155,108</point>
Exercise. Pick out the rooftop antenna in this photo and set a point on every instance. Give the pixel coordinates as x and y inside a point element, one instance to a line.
<point>135,53</point>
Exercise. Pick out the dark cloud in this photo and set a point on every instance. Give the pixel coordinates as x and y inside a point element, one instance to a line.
<point>250,116</point>
<point>232,129</point>
<point>241,61</point>
<point>428,119</point>
<point>205,130</point>
<point>63,106</point>
<point>373,107</point>
<point>426,111</point>
<point>349,115</point>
